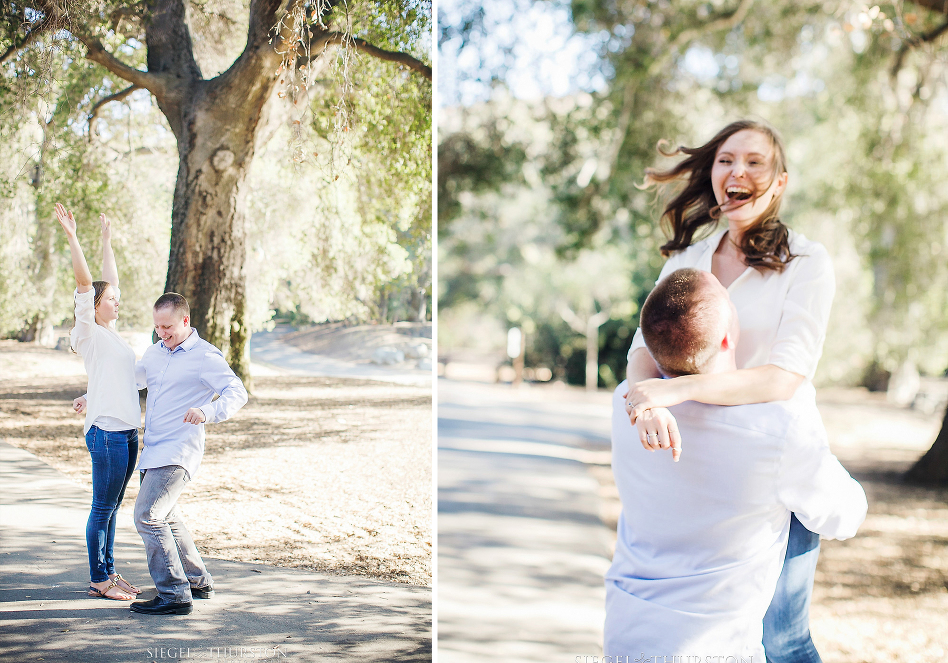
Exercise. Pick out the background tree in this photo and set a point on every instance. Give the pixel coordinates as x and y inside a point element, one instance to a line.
<point>221,120</point>
<point>859,93</point>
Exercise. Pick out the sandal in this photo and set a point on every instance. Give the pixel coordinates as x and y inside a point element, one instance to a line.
<point>104,593</point>
<point>125,585</point>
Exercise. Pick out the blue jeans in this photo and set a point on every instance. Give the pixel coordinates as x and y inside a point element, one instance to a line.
<point>787,622</point>
<point>173,560</point>
<point>113,461</point>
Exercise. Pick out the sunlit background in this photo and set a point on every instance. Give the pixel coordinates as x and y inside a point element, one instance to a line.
<point>551,112</point>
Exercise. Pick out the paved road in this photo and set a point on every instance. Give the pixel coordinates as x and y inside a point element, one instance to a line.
<point>259,612</point>
<point>267,348</point>
<point>521,547</point>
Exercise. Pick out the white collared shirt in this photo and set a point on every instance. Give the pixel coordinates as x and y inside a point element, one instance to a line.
<point>701,542</point>
<point>112,398</point>
<point>783,315</point>
<point>177,380</point>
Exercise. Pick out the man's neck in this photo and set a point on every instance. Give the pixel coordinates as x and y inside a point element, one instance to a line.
<point>724,362</point>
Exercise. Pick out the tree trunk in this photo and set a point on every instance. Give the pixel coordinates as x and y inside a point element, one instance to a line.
<point>418,305</point>
<point>206,261</point>
<point>592,353</point>
<point>932,468</point>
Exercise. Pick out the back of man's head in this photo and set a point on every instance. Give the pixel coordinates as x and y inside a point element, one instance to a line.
<point>684,321</point>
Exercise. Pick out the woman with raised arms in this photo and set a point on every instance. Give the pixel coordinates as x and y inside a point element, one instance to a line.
<point>112,409</point>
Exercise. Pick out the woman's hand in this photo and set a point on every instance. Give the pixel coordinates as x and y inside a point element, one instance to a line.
<point>106,227</point>
<point>79,405</point>
<point>658,430</point>
<point>656,393</point>
<point>66,220</point>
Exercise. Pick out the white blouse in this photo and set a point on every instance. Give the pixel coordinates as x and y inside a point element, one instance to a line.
<point>112,399</point>
<point>783,315</point>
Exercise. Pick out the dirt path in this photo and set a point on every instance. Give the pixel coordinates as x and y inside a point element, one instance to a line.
<point>882,596</point>
<point>328,474</point>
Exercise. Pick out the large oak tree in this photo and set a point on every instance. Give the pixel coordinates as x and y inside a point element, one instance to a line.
<point>220,121</point>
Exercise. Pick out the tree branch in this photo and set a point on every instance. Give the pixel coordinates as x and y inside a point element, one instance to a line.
<point>725,23</point>
<point>28,39</point>
<point>940,6</point>
<point>911,44</point>
<point>96,52</point>
<point>569,316</point>
<point>118,96</point>
<point>323,39</point>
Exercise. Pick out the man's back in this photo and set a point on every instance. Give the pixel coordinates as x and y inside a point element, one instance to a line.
<point>701,542</point>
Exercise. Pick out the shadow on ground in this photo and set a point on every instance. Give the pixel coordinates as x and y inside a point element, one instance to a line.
<point>269,612</point>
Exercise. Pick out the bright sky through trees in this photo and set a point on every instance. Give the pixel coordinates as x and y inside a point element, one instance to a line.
<point>533,42</point>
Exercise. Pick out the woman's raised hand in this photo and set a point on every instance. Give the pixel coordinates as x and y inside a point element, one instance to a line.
<point>66,220</point>
<point>106,227</point>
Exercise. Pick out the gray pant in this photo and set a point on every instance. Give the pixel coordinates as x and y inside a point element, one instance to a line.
<point>173,560</point>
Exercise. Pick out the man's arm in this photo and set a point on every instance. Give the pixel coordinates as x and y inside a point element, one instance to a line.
<point>217,375</point>
<point>813,484</point>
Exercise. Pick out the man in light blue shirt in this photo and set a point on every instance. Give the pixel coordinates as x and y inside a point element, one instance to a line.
<point>183,373</point>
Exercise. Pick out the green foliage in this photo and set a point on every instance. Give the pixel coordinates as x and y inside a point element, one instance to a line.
<point>49,158</point>
<point>857,93</point>
<point>347,234</point>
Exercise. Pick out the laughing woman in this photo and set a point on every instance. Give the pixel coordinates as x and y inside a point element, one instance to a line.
<point>113,413</point>
<point>782,286</point>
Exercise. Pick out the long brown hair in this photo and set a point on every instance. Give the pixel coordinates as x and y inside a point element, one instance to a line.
<point>99,287</point>
<point>765,245</point>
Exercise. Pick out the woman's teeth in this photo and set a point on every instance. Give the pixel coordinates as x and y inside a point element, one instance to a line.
<point>738,193</point>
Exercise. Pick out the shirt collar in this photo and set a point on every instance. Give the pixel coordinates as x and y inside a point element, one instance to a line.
<point>186,344</point>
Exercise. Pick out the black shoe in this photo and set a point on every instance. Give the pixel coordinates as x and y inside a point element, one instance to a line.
<point>157,606</point>
<point>202,592</point>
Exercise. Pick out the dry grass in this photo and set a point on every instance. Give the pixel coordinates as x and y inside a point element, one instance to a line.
<point>320,473</point>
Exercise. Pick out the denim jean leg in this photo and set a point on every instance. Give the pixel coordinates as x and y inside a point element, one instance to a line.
<point>109,463</point>
<point>787,622</point>
<point>157,497</point>
<point>128,439</point>
<point>191,560</point>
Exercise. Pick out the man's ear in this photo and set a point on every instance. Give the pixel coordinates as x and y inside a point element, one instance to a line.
<point>186,320</point>
<point>728,342</point>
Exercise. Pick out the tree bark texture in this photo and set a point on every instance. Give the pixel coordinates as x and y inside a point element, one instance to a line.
<point>932,468</point>
<point>219,122</point>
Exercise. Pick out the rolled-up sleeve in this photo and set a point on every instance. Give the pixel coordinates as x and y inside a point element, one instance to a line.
<point>799,341</point>
<point>217,375</point>
<point>81,335</point>
<point>813,484</point>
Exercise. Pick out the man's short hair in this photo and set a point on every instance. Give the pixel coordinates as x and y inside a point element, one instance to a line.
<point>679,322</point>
<point>174,301</point>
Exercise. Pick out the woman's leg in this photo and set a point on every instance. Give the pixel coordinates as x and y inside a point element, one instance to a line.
<point>787,622</point>
<point>109,462</point>
<point>124,442</point>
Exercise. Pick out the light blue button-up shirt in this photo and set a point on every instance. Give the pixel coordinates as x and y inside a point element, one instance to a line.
<point>177,380</point>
